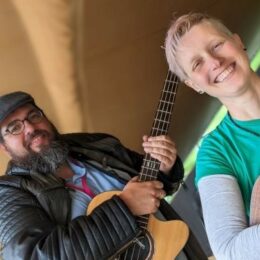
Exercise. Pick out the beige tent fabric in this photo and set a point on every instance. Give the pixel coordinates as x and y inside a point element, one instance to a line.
<point>37,55</point>
<point>48,26</point>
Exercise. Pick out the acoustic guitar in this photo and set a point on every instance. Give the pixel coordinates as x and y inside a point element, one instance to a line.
<point>160,240</point>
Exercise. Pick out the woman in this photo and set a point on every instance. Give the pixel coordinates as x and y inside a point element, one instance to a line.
<point>210,59</point>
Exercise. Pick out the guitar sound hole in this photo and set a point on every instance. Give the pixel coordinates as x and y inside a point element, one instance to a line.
<point>142,249</point>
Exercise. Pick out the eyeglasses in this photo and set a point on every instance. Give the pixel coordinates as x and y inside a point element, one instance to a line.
<point>16,127</point>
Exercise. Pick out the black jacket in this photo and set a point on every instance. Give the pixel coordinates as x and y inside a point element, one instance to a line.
<point>35,209</point>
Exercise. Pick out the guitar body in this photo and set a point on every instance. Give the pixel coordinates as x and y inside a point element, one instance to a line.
<point>168,237</point>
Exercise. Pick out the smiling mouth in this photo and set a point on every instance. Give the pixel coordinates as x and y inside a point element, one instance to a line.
<point>225,74</point>
<point>39,139</point>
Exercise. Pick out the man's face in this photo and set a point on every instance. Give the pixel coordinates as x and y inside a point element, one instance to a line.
<point>38,146</point>
<point>33,138</point>
<point>214,61</point>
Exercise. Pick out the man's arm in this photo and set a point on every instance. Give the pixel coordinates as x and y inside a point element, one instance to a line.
<point>226,224</point>
<point>28,233</point>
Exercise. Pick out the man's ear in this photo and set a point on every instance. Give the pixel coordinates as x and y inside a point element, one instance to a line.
<point>3,149</point>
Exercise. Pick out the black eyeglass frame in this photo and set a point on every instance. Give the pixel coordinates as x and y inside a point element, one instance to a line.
<point>27,118</point>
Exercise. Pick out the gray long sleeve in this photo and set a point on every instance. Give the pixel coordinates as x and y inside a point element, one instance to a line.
<point>226,223</point>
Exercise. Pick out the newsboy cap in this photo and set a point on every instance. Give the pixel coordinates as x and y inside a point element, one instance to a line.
<point>11,101</point>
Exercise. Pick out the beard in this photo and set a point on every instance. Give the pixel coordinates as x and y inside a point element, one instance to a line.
<point>48,159</point>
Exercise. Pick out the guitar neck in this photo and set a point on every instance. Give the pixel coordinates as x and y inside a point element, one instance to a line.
<point>161,123</point>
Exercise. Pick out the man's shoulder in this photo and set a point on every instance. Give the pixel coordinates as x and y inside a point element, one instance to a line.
<point>10,186</point>
<point>87,137</point>
<point>9,180</point>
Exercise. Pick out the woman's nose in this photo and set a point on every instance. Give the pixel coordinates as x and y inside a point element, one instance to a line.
<point>215,62</point>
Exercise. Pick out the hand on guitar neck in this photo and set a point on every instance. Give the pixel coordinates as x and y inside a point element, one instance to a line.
<point>161,148</point>
<point>142,197</point>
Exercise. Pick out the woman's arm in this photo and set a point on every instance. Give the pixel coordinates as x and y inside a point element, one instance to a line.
<point>226,223</point>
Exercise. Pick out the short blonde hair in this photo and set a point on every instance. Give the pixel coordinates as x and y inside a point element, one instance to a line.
<point>178,28</point>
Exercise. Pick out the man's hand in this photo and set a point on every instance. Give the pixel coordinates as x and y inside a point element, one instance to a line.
<point>161,148</point>
<point>142,197</point>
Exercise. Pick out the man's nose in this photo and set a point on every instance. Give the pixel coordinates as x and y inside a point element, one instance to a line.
<point>28,127</point>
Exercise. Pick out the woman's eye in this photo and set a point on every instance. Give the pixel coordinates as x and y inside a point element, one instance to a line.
<point>217,45</point>
<point>196,65</point>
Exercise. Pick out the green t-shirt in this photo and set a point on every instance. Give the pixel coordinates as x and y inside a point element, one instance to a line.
<point>233,148</point>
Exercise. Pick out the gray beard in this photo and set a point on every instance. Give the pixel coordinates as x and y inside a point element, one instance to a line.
<point>47,161</point>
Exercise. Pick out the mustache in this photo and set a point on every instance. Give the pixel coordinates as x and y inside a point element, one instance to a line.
<point>47,161</point>
<point>36,133</point>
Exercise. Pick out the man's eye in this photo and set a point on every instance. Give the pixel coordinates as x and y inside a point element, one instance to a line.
<point>14,127</point>
<point>34,117</point>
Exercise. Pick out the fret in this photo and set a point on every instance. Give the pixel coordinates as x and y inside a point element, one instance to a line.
<point>148,157</point>
<point>151,172</point>
<point>162,111</point>
<point>169,92</point>
<point>163,120</point>
<point>165,102</point>
<point>171,81</point>
<point>142,219</point>
<point>158,129</point>
<point>150,163</point>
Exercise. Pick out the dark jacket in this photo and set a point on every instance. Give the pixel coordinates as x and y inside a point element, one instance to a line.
<point>35,209</point>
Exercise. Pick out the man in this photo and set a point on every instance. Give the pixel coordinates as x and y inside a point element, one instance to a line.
<point>51,178</point>
<point>209,58</point>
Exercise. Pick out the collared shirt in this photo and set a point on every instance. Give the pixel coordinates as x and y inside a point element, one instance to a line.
<point>96,182</point>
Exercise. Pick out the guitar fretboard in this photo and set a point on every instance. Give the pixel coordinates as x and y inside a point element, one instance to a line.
<point>161,123</point>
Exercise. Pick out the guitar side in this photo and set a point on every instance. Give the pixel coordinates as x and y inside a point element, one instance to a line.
<point>169,236</point>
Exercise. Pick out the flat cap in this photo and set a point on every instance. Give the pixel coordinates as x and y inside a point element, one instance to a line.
<point>11,101</point>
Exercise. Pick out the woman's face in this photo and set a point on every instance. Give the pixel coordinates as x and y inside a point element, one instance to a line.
<point>215,62</point>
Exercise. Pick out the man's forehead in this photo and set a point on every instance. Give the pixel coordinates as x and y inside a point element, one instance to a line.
<point>17,113</point>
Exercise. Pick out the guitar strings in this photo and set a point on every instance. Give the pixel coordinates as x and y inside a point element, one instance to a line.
<point>162,118</point>
<point>151,166</point>
<point>166,104</point>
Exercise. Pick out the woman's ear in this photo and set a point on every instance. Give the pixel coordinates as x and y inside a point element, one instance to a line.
<point>190,84</point>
